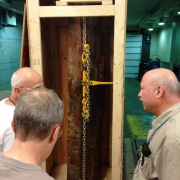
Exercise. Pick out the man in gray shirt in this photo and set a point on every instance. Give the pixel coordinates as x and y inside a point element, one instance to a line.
<point>37,125</point>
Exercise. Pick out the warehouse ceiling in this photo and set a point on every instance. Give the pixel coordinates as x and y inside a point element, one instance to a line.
<point>143,13</point>
<point>140,13</point>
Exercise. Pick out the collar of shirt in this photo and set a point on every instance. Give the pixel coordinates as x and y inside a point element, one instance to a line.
<point>169,112</point>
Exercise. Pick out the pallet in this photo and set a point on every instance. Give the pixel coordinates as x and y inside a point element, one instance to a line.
<point>85,2</point>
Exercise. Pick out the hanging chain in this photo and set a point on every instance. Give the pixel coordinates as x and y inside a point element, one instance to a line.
<point>86,93</point>
<point>84,31</point>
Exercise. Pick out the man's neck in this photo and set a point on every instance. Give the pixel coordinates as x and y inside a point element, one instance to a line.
<point>11,101</point>
<point>27,152</point>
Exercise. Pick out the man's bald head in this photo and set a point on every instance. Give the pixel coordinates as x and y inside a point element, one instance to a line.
<point>26,77</point>
<point>160,89</point>
<point>164,77</point>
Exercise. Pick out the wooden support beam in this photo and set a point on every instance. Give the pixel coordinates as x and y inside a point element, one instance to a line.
<point>76,11</point>
<point>34,35</point>
<point>118,88</point>
<point>24,58</point>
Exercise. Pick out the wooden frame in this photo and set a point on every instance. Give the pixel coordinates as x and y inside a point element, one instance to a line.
<point>118,11</point>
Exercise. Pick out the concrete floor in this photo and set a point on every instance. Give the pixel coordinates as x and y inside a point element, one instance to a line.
<point>137,122</point>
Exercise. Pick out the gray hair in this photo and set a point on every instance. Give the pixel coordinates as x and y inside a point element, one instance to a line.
<point>173,87</point>
<point>169,81</point>
<point>16,79</point>
<point>36,112</point>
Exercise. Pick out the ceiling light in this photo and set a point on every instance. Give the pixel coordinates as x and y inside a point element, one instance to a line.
<point>150,28</point>
<point>179,11</point>
<point>161,22</point>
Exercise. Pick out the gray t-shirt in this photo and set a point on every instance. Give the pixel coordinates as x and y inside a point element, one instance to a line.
<point>11,169</point>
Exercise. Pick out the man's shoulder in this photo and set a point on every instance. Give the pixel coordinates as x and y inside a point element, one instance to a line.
<point>39,175</point>
<point>3,101</point>
<point>4,106</point>
<point>20,170</point>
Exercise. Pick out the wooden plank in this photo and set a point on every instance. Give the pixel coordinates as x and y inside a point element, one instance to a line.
<point>66,2</point>
<point>74,129</point>
<point>34,35</point>
<point>111,88</point>
<point>46,53</point>
<point>118,88</point>
<point>107,116</point>
<point>97,100</point>
<point>81,1</point>
<point>76,11</point>
<point>106,2</point>
<point>59,172</point>
<point>54,55</point>
<point>24,58</point>
<point>61,3</point>
<point>106,173</point>
<point>62,48</point>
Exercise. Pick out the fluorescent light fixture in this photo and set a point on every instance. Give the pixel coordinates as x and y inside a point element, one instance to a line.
<point>161,22</point>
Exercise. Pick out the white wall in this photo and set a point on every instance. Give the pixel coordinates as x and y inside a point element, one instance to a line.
<point>161,43</point>
<point>154,44</point>
<point>177,47</point>
<point>164,42</point>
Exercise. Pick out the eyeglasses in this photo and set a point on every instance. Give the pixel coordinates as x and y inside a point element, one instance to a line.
<point>29,89</point>
<point>145,151</point>
<point>60,130</point>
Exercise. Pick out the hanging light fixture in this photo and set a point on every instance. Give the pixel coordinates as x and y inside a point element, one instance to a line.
<point>161,22</point>
<point>179,9</point>
<point>151,25</point>
<point>150,28</point>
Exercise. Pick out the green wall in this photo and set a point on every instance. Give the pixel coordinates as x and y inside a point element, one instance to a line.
<point>10,49</point>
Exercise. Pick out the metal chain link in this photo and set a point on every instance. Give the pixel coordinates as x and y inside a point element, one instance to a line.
<point>87,113</point>
<point>84,31</point>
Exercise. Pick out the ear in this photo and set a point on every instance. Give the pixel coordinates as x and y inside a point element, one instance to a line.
<point>12,124</point>
<point>17,92</point>
<point>54,134</point>
<point>160,91</point>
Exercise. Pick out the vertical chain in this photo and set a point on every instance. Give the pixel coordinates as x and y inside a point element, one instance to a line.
<point>87,113</point>
<point>84,31</point>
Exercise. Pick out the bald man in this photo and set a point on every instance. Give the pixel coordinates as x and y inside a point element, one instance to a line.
<point>22,80</point>
<point>160,158</point>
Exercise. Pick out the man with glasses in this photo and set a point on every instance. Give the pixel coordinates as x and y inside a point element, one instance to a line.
<point>37,123</point>
<point>22,80</point>
<point>160,95</point>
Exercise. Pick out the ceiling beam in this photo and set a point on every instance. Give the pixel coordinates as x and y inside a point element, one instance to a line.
<point>14,6</point>
<point>160,8</point>
<point>76,11</point>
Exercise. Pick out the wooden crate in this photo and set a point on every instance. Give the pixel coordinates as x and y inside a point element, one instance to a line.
<point>103,8</point>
